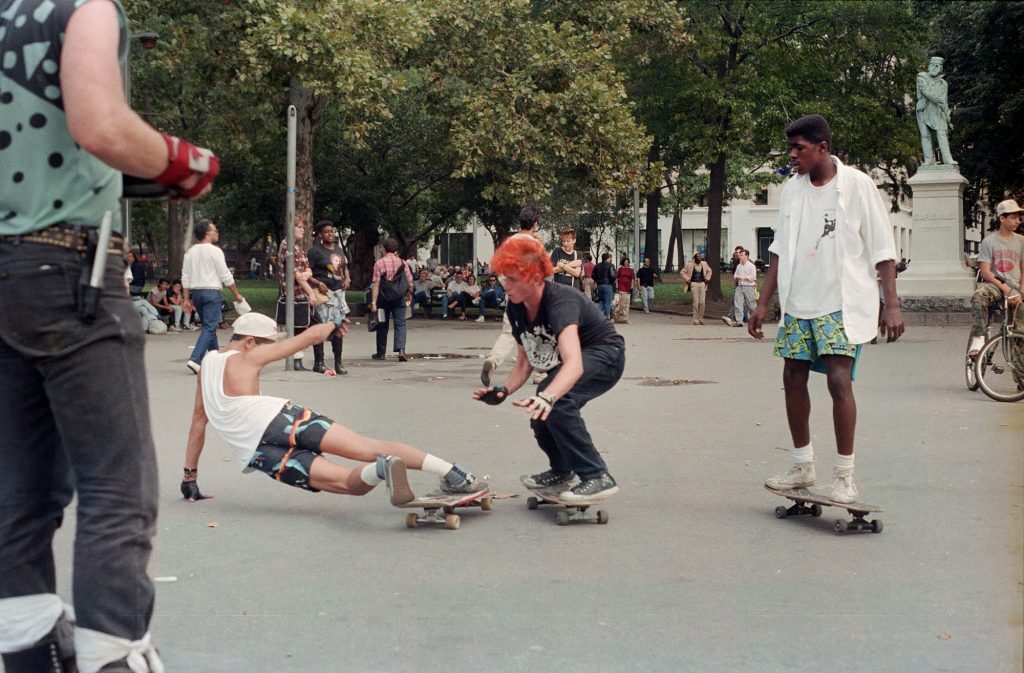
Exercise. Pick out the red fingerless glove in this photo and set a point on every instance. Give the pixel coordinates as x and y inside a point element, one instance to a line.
<point>185,160</point>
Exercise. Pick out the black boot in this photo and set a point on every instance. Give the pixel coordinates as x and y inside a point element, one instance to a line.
<point>339,368</point>
<point>318,359</point>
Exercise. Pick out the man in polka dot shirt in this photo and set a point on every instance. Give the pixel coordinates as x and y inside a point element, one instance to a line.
<point>74,411</point>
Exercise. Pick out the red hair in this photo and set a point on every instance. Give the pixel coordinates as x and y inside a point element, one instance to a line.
<point>525,255</point>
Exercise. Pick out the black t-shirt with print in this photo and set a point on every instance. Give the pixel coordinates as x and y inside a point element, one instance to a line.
<point>328,266</point>
<point>558,255</point>
<point>560,306</point>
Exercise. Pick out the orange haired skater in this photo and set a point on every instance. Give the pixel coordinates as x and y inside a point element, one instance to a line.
<point>561,332</point>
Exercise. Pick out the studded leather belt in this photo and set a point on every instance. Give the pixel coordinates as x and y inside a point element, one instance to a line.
<point>67,237</point>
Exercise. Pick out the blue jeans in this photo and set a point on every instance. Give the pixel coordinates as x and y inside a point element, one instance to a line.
<point>488,299</point>
<point>563,436</point>
<point>74,410</point>
<point>423,299</point>
<point>396,313</point>
<point>606,293</point>
<point>208,303</point>
<point>646,296</point>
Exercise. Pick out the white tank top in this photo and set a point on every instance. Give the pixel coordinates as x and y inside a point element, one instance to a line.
<point>241,420</point>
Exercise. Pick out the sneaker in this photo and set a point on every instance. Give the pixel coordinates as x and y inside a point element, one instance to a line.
<point>800,475</point>
<point>600,486</point>
<point>550,478</point>
<point>377,356</point>
<point>175,328</point>
<point>975,346</point>
<point>459,481</point>
<point>480,319</point>
<point>402,357</point>
<point>193,367</point>
<point>392,470</point>
<point>843,488</point>
<point>728,321</point>
<point>485,373</point>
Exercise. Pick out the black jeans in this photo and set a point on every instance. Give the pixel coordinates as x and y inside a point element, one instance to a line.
<point>563,436</point>
<point>74,416</point>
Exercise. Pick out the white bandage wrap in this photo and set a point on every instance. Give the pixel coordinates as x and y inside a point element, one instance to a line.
<point>95,650</point>
<point>26,619</point>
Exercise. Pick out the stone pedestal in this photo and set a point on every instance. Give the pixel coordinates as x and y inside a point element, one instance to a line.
<point>937,279</point>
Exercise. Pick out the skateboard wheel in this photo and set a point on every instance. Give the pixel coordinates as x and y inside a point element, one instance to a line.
<point>451,521</point>
<point>602,516</point>
<point>411,520</point>
<point>839,526</point>
<point>780,512</point>
<point>876,525</point>
<point>486,505</point>
<point>532,502</point>
<point>562,518</point>
<point>815,510</point>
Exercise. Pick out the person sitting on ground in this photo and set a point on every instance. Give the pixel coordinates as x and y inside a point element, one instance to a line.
<point>491,296</point>
<point>176,296</point>
<point>158,300</point>
<point>287,442</point>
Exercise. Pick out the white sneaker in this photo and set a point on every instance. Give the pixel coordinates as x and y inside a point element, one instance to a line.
<point>801,475</point>
<point>843,488</point>
<point>175,328</point>
<point>728,321</point>
<point>193,367</point>
<point>480,319</point>
<point>975,347</point>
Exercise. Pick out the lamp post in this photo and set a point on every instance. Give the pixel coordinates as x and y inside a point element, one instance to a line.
<point>148,41</point>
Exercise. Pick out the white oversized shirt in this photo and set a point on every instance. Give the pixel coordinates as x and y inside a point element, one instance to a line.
<point>863,239</point>
<point>204,268</point>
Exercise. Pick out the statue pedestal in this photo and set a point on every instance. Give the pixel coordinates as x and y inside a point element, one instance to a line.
<point>937,279</point>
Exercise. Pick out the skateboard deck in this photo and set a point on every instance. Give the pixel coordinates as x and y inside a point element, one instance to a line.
<point>549,496</point>
<point>439,507</point>
<point>808,501</point>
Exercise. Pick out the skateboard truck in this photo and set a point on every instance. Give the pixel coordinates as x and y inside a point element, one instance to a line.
<point>807,502</point>
<point>565,516</point>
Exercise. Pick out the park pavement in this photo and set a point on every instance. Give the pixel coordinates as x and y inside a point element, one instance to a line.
<point>693,572</point>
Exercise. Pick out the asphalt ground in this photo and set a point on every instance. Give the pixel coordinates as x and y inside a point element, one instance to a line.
<point>693,572</point>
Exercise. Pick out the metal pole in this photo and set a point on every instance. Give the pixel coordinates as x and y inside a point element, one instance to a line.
<point>289,271</point>
<point>636,229</point>
<point>126,205</point>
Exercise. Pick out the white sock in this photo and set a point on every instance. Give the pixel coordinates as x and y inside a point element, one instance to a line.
<point>369,475</point>
<point>803,454</point>
<point>844,462</point>
<point>435,465</point>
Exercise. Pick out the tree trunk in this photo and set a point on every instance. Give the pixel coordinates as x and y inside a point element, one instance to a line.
<point>360,248</point>
<point>176,240</point>
<point>653,206</point>
<point>675,244</point>
<point>309,109</point>
<point>716,195</point>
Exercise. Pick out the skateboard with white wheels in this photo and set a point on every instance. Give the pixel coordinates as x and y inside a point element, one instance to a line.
<point>549,495</point>
<point>806,501</point>
<point>439,507</point>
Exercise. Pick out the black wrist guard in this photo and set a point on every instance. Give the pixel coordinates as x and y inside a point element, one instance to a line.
<point>493,397</point>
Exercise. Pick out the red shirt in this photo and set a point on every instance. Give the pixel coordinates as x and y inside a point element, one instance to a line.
<point>301,264</point>
<point>624,278</point>
<point>388,266</point>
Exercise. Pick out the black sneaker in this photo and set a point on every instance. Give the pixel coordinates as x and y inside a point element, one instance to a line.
<point>589,489</point>
<point>459,481</point>
<point>549,478</point>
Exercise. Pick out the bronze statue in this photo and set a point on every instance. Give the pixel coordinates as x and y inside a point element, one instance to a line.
<point>933,111</point>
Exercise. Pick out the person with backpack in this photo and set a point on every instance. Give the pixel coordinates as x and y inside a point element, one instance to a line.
<point>391,290</point>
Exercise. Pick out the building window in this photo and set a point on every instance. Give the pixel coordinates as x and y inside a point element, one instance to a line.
<point>761,197</point>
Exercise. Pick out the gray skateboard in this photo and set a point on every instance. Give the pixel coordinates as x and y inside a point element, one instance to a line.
<point>808,501</point>
<point>439,508</point>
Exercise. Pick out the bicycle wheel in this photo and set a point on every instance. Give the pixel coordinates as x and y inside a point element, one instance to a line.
<point>996,371</point>
<point>970,368</point>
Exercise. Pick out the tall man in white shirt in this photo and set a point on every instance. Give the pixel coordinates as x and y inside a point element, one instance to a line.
<point>832,239</point>
<point>203,273</point>
<point>745,278</point>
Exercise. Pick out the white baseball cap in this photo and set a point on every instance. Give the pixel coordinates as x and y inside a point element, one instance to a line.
<point>1006,207</point>
<point>256,325</point>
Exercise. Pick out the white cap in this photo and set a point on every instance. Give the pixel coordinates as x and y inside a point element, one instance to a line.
<point>255,325</point>
<point>1006,207</point>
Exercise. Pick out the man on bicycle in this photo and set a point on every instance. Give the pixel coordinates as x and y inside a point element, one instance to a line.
<point>999,260</point>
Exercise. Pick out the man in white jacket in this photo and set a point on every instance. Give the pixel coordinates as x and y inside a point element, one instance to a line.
<point>832,239</point>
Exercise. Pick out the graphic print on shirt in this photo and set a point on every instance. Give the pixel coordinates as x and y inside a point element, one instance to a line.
<point>541,348</point>
<point>1005,260</point>
<point>829,230</point>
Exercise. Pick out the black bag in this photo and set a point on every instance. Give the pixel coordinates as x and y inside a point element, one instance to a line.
<point>301,313</point>
<point>394,290</point>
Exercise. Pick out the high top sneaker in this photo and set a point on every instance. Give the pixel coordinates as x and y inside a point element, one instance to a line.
<point>801,475</point>
<point>392,470</point>
<point>459,480</point>
<point>550,478</point>
<point>843,488</point>
<point>600,486</point>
